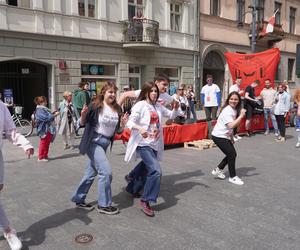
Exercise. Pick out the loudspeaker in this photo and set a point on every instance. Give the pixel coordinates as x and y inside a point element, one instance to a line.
<point>298,60</point>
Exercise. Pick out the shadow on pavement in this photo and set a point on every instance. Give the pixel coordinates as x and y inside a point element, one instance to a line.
<point>169,190</point>
<point>36,233</point>
<point>243,172</point>
<point>66,156</point>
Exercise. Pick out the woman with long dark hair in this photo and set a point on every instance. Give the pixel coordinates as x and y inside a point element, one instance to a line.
<point>222,135</point>
<point>146,140</point>
<point>102,119</point>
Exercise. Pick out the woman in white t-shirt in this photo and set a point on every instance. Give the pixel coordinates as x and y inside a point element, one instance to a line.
<point>222,135</point>
<point>146,140</point>
<point>102,119</point>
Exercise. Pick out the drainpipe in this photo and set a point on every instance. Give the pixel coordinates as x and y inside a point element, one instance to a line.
<point>196,55</point>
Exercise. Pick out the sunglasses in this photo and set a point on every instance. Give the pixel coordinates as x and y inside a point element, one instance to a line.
<point>180,89</point>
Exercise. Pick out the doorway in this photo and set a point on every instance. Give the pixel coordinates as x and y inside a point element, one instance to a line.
<point>26,80</point>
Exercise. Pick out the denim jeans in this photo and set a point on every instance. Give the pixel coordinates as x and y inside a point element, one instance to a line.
<point>98,164</point>
<point>3,218</point>
<point>148,171</point>
<point>191,110</point>
<point>267,111</point>
<point>297,125</point>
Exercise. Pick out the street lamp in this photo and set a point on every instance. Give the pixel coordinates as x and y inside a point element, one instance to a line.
<point>253,26</point>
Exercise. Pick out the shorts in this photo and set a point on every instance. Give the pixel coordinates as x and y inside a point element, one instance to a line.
<point>249,112</point>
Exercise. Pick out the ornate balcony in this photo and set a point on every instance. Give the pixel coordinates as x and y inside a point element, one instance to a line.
<point>140,33</point>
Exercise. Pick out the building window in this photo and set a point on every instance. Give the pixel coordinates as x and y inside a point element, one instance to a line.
<point>240,11</point>
<point>260,10</point>
<point>292,20</point>
<point>174,76</point>
<point>87,8</point>
<point>175,16</point>
<point>96,75</point>
<point>135,6</point>
<point>278,9</point>
<point>291,63</point>
<point>19,3</point>
<point>215,7</point>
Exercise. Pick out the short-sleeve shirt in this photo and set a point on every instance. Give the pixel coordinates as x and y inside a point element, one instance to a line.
<point>221,129</point>
<point>268,96</point>
<point>164,98</point>
<point>210,95</point>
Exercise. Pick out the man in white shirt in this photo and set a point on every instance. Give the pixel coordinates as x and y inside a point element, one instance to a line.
<point>268,95</point>
<point>162,82</point>
<point>210,98</point>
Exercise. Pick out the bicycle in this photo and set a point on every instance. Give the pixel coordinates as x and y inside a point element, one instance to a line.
<point>23,126</point>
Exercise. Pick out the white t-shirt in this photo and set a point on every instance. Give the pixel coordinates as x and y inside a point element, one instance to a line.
<point>164,98</point>
<point>221,129</point>
<point>234,87</point>
<point>107,121</point>
<point>153,129</point>
<point>210,95</point>
<point>268,96</point>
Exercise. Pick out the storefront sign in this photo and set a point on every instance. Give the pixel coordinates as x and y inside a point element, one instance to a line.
<point>8,96</point>
<point>25,71</point>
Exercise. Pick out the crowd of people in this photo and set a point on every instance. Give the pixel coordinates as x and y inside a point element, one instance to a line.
<point>142,111</point>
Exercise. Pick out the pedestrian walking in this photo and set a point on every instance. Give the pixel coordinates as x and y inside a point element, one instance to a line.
<point>210,98</point>
<point>45,126</point>
<point>183,105</point>
<point>146,140</point>
<point>297,124</point>
<point>222,135</point>
<point>102,119</point>
<point>7,126</point>
<point>268,95</point>
<point>281,108</point>
<point>68,118</point>
<point>81,98</point>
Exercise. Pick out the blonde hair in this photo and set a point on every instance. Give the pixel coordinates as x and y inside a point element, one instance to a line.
<point>297,95</point>
<point>66,94</point>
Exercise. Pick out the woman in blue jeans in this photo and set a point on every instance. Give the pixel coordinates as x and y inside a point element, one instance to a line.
<point>102,119</point>
<point>146,140</point>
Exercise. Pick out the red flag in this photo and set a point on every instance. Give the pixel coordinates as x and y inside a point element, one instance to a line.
<point>270,26</point>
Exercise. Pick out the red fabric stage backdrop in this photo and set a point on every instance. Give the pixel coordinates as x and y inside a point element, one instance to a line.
<point>250,67</point>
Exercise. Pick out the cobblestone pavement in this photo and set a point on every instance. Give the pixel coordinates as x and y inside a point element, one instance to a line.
<point>194,210</point>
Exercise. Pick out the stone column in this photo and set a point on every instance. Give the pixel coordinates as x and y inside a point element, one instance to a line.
<point>3,15</point>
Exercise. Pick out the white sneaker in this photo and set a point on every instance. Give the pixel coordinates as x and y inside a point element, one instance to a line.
<point>236,180</point>
<point>238,137</point>
<point>218,173</point>
<point>235,139</point>
<point>267,132</point>
<point>13,240</point>
<point>276,134</point>
<point>298,145</point>
<point>298,129</point>
<point>44,159</point>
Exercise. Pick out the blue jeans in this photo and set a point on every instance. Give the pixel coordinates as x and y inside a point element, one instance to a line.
<point>297,125</point>
<point>267,111</point>
<point>147,173</point>
<point>98,164</point>
<point>192,110</point>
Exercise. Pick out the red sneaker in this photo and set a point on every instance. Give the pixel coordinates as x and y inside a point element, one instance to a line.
<point>146,208</point>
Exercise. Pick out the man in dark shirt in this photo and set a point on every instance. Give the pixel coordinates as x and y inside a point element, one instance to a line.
<point>250,102</point>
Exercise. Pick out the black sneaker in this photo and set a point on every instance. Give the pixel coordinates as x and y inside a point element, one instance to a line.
<point>108,210</point>
<point>85,206</point>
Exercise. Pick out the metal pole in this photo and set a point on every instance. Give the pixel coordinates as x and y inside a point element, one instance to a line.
<point>253,40</point>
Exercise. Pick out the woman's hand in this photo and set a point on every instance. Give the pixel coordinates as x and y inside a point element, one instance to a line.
<point>29,152</point>
<point>124,119</point>
<point>143,132</point>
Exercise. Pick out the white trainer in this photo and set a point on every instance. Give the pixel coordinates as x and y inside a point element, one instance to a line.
<point>218,173</point>
<point>236,180</point>
<point>13,240</point>
<point>238,137</point>
<point>276,134</point>
<point>298,145</point>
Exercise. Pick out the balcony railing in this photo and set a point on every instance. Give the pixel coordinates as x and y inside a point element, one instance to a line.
<point>140,33</point>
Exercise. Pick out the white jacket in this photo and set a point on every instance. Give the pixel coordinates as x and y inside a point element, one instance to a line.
<point>8,127</point>
<point>140,116</point>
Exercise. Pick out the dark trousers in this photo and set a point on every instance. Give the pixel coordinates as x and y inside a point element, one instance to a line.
<point>228,149</point>
<point>281,124</point>
<point>211,113</point>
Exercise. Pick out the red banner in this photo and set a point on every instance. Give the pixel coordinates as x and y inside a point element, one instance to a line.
<point>251,67</point>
